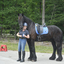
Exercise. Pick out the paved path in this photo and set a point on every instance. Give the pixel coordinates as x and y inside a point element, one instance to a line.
<point>10,57</point>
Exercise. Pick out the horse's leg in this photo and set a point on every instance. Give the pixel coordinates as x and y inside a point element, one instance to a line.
<point>32,50</point>
<point>34,58</point>
<point>29,44</point>
<point>58,40</point>
<point>54,50</point>
<point>59,51</point>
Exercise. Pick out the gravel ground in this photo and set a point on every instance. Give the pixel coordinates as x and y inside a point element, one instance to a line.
<point>10,57</point>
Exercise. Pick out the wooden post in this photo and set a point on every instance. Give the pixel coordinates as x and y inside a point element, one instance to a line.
<point>43,12</point>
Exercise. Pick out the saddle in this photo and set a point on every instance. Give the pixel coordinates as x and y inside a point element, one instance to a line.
<point>41,29</point>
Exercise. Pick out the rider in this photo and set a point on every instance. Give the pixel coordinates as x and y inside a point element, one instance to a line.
<point>22,34</point>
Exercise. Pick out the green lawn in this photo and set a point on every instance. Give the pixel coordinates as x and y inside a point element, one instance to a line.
<point>40,48</point>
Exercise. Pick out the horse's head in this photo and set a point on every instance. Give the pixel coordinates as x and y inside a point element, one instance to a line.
<point>20,20</point>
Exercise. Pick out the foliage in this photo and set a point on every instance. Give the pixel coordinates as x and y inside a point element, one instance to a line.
<point>9,9</point>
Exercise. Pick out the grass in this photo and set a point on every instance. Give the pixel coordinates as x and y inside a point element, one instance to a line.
<point>43,49</point>
<point>40,48</point>
<point>10,46</point>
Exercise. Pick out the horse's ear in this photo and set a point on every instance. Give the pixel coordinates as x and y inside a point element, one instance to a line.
<point>22,14</point>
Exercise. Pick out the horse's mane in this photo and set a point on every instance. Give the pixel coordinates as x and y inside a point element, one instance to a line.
<point>28,20</point>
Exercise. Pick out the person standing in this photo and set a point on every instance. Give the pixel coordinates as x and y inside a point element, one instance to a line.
<point>23,35</point>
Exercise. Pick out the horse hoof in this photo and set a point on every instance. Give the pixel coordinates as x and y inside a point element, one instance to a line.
<point>33,60</point>
<point>59,59</point>
<point>52,58</point>
<point>29,59</point>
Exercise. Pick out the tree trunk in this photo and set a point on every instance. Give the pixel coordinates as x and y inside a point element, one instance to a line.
<point>43,12</point>
<point>15,19</point>
<point>15,33</point>
<point>53,12</point>
<point>1,32</point>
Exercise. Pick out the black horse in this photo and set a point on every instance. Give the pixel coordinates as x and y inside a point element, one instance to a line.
<point>55,36</point>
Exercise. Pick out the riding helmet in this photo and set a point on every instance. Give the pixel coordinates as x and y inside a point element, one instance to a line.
<point>25,24</point>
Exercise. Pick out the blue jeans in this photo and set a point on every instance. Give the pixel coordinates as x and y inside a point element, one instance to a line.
<point>21,44</point>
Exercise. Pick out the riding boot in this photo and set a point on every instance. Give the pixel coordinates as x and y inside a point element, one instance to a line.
<point>23,56</point>
<point>19,54</point>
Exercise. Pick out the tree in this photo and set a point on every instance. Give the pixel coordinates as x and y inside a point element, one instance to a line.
<point>53,12</point>
<point>43,12</point>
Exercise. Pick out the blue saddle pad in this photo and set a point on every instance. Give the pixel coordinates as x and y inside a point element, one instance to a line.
<point>45,30</point>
